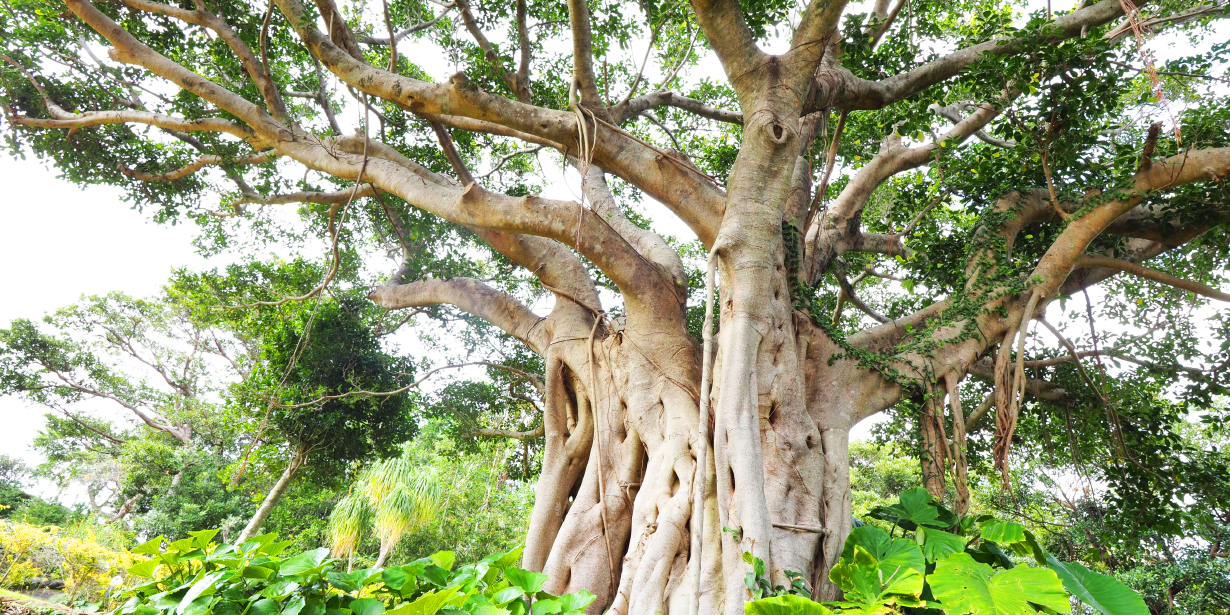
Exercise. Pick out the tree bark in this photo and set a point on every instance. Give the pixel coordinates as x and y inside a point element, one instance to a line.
<point>275,494</point>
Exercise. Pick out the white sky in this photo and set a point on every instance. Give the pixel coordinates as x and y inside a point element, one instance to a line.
<point>63,242</point>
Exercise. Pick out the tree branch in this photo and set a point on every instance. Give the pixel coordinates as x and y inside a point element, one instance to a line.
<point>494,306</point>
<point>1151,274</point>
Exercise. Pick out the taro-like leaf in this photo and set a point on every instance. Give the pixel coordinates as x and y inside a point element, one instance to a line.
<point>1099,591</point>
<point>367,606</point>
<point>784,605</point>
<point>427,604</point>
<point>915,508</point>
<point>531,582</point>
<point>1002,532</point>
<point>576,602</point>
<point>444,559</point>
<point>963,585</point>
<point>303,562</point>
<point>937,544</point>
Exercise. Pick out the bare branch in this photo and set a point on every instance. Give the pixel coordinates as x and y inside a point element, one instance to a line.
<point>629,109</point>
<point>1151,274</point>
<point>197,165</point>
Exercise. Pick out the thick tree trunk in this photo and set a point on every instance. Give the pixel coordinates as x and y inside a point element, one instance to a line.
<point>615,499</point>
<point>271,499</point>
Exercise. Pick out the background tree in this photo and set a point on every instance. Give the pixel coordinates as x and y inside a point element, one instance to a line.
<point>948,171</point>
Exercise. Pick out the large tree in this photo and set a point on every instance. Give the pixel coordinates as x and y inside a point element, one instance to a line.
<point>980,162</point>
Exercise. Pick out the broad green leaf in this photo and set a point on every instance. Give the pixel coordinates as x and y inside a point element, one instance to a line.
<point>915,508</point>
<point>367,606</point>
<point>1003,532</point>
<point>294,606</point>
<point>198,606</point>
<point>784,605</point>
<point>144,569</point>
<point>963,585</point>
<point>487,609</point>
<point>509,558</point>
<point>149,547</point>
<point>576,601</point>
<point>1099,591</point>
<point>201,538</point>
<point>549,606</point>
<point>273,549</point>
<point>508,594</point>
<point>394,578</point>
<point>865,582</point>
<point>203,587</point>
<point>938,544</point>
<point>891,554</point>
<point>256,572</point>
<point>182,546</point>
<point>264,606</point>
<point>280,589</point>
<point>444,559</point>
<point>427,604</point>
<point>303,562</point>
<point>531,582</point>
<point>313,606</point>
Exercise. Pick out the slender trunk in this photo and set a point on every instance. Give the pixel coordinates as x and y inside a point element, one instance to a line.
<point>384,554</point>
<point>271,499</point>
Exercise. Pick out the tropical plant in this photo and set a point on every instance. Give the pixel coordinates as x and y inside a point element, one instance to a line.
<point>393,496</point>
<point>194,576</point>
<point>85,557</point>
<point>978,565</point>
<point>878,206</point>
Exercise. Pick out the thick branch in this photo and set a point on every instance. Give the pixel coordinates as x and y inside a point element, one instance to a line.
<point>494,306</point>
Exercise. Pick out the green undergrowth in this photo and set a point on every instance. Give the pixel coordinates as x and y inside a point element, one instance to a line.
<point>195,576</point>
<point>931,562</point>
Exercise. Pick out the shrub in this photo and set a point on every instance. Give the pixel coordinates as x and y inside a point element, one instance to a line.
<point>977,564</point>
<point>195,576</point>
<point>74,555</point>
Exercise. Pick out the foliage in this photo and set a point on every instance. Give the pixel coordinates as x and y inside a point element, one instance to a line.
<point>193,576</point>
<point>977,565</point>
<point>85,557</point>
<point>481,508</point>
<point>393,496</point>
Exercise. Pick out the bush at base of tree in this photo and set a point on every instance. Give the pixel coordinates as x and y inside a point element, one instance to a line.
<point>195,576</point>
<point>976,564</point>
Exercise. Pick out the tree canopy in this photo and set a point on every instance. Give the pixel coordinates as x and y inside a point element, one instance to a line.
<point>1000,225</point>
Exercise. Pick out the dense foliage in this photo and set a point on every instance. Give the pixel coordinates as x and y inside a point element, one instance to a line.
<point>194,576</point>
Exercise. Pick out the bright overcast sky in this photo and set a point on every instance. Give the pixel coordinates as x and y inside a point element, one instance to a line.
<point>64,242</point>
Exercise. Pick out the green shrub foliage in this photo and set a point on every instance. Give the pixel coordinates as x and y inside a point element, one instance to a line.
<point>195,576</point>
<point>977,565</point>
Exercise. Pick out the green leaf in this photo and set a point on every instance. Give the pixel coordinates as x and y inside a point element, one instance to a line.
<point>576,601</point>
<point>531,582</point>
<point>264,606</point>
<point>938,544</point>
<point>303,562</point>
<point>508,594</point>
<point>294,606</point>
<point>280,589</point>
<point>915,508</point>
<point>863,580</point>
<point>891,554</point>
<point>427,604</point>
<point>784,605</point>
<point>367,606</point>
<point>201,538</point>
<point>182,546</point>
<point>550,606</point>
<point>509,558</point>
<point>1099,591</point>
<point>487,609</point>
<point>256,572</point>
<point>1002,532</point>
<point>444,559</point>
<point>149,547</point>
<point>203,587</point>
<point>963,585</point>
<point>144,569</point>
